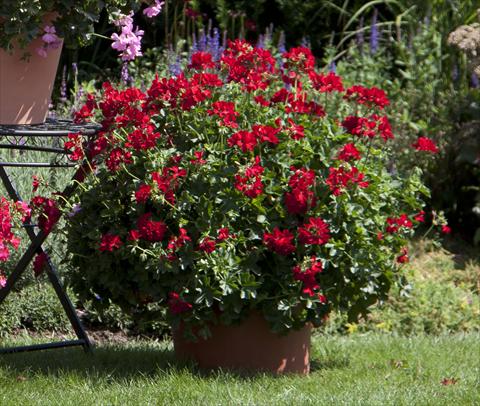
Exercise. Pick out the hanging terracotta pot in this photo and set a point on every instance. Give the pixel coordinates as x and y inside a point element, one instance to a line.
<point>26,84</point>
<point>250,346</point>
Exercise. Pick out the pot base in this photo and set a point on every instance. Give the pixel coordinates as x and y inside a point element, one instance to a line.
<point>250,346</point>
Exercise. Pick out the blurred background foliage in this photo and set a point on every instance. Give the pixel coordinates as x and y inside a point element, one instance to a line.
<point>398,45</point>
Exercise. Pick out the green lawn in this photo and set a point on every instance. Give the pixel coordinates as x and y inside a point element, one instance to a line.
<point>353,370</point>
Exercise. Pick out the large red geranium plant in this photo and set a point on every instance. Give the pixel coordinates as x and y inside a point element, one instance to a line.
<point>247,183</point>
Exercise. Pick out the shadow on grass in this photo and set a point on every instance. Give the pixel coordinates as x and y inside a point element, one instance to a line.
<point>117,363</point>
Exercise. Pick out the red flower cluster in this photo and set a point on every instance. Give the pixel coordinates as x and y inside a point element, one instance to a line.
<point>87,109</point>
<point>369,127</point>
<point>142,139</point>
<point>116,157</point>
<point>177,305</point>
<point>50,213</point>
<point>314,232</point>
<point>301,197</point>
<point>75,143</point>
<point>297,103</point>
<point>7,238</point>
<point>367,96</point>
<point>39,264</point>
<point>395,223</point>
<point>150,230</point>
<point>251,184</point>
<point>168,181</point>
<point>279,241</point>
<point>326,83</point>
<point>348,153</point>
<point>207,245</point>
<point>340,178</point>
<point>177,242</point>
<point>403,258</point>
<point>110,242</point>
<point>308,276</point>
<point>425,144</point>
<point>248,140</point>
<point>226,111</point>
<point>248,66</point>
<point>143,193</point>
<point>295,131</point>
<point>201,60</point>
<point>300,58</point>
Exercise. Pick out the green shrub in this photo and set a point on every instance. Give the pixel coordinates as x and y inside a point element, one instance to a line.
<point>35,307</point>
<point>443,297</point>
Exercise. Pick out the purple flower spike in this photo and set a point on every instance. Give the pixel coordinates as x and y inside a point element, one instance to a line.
<point>359,36</point>
<point>374,33</point>
<point>281,43</point>
<point>202,42</point>
<point>474,82</point>
<point>63,85</point>
<point>124,74</point>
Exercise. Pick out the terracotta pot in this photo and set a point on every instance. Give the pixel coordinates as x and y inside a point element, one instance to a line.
<point>248,346</point>
<point>26,85</point>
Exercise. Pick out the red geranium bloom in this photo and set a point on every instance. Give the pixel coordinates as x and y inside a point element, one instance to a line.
<point>326,83</point>
<point>110,242</point>
<point>308,276</point>
<point>446,229</point>
<point>245,140</point>
<point>340,178</point>
<point>368,96</point>
<point>39,263</point>
<point>143,193</point>
<point>420,217</point>
<point>266,133</point>
<point>177,305</point>
<point>300,57</point>
<point>198,158</point>
<point>314,232</point>
<point>425,144</point>
<point>251,184</point>
<point>295,131</point>
<point>224,234</point>
<point>207,245</point>
<point>201,61</point>
<point>279,241</point>
<point>226,111</point>
<point>348,153</point>
<point>403,258</point>
<point>150,230</point>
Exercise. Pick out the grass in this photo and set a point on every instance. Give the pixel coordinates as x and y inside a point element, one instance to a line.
<point>376,369</point>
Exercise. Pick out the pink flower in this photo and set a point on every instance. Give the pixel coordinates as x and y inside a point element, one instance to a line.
<point>3,280</point>
<point>50,36</point>
<point>50,41</point>
<point>128,43</point>
<point>154,9</point>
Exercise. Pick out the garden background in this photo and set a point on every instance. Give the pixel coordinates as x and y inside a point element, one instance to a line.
<point>400,46</point>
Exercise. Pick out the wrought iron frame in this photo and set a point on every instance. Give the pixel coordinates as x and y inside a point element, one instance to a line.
<point>52,128</point>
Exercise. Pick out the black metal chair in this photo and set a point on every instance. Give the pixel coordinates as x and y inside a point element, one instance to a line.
<point>22,138</point>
